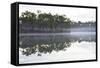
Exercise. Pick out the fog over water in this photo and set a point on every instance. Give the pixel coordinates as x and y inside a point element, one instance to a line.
<point>79,44</point>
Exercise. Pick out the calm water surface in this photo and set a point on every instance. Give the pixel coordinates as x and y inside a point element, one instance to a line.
<point>52,47</point>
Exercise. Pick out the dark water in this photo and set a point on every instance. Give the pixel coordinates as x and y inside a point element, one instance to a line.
<point>44,43</point>
<point>78,44</point>
<point>50,47</point>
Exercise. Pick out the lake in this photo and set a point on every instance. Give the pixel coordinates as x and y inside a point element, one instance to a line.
<point>54,47</point>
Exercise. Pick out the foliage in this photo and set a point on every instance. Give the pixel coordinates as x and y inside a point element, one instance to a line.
<point>44,19</point>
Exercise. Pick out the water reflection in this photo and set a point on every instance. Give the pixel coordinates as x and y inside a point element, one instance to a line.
<point>39,45</point>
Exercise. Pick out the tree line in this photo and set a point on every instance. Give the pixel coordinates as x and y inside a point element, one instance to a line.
<point>47,22</point>
<point>43,19</point>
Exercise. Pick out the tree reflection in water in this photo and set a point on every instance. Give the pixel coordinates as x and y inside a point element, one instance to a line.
<point>45,48</point>
<point>47,44</point>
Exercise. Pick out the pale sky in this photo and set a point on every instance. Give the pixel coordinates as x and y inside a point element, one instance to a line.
<point>75,14</point>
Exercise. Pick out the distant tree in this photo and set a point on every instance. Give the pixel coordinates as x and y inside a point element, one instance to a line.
<point>28,17</point>
<point>38,11</point>
<point>79,22</point>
